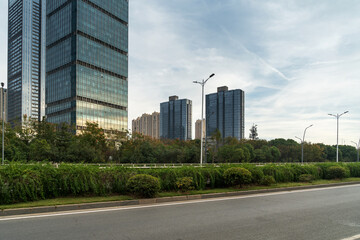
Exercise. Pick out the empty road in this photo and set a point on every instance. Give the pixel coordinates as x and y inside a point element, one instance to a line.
<point>324,214</point>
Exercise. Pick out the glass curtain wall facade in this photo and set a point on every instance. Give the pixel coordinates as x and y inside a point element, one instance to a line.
<point>225,112</point>
<point>175,119</point>
<point>26,59</point>
<point>87,63</point>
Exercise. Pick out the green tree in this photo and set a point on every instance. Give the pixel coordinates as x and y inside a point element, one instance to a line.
<point>40,150</point>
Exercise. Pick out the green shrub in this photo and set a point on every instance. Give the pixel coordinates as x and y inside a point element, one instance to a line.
<point>282,173</point>
<point>237,176</point>
<point>306,178</point>
<point>268,180</point>
<point>325,167</point>
<point>143,185</point>
<point>298,170</point>
<point>256,174</point>
<point>354,169</point>
<point>337,172</point>
<point>185,184</point>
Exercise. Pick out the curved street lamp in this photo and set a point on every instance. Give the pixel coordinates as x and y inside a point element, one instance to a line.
<point>337,132</point>
<point>357,148</point>
<point>302,144</point>
<point>202,83</point>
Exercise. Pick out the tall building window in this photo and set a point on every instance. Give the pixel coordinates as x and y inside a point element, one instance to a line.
<point>225,112</point>
<point>87,63</point>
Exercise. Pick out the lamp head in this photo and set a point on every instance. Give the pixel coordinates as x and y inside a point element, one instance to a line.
<point>2,84</point>
<point>212,75</point>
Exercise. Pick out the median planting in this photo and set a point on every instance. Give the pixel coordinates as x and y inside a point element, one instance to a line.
<point>23,183</point>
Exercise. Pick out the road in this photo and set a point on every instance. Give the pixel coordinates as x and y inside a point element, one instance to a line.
<point>324,214</point>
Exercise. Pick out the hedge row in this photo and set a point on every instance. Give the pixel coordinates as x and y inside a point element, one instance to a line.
<point>21,183</point>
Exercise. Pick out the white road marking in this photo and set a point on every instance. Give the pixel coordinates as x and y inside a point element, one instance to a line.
<point>356,237</point>
<point>42,215</point>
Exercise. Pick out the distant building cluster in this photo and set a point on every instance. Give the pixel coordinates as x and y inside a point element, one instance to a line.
<point>224,113</point>
<point>147,125</point>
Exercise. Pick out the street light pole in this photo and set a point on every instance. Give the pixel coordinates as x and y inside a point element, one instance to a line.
<point>206,117</point>
<point>3,116</point>
<point>302,144</point>
<point>337,132</point>
<point>202,83</point>
<point>358,149</point>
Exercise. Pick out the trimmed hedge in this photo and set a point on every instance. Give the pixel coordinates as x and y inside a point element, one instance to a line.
<point>143,185</point>
<point>337,172</point>
<point>21,183</point>
<point>185,184</point>
<point>237,176</point>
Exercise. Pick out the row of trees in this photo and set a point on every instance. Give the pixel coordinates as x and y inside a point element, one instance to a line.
<point>43,141</point>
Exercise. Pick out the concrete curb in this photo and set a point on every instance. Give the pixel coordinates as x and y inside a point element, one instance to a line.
<point>72,207</point>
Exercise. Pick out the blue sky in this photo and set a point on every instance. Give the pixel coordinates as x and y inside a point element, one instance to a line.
<point>297,61</point>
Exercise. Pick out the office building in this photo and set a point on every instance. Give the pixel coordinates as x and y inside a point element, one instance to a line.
<point>87,63</point>
<point>175,119</point>
<point>26,59</point>
<point>198,129</point>
<point>225,112</point>
<point>147,125</point>
<point>3,104</point>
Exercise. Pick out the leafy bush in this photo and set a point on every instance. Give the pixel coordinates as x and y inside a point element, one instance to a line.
<point>268,180</point>
<point>185,184</point>
<point>143,185</point>
<point>298,170</point>
<point>306,178</point>
<point>337,172</point>
<point>354,169</point>
<point>237,176</point>
<point>282,173</point>
<point>256,173</point>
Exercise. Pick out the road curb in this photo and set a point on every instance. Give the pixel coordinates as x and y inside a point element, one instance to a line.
<point>84,206</point>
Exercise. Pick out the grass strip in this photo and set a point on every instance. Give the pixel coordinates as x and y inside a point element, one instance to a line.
<point>80,200</point>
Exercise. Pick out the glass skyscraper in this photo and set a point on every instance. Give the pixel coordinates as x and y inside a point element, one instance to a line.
<point>87,62</point>
<point>225,112</point>
<point>175,119</point>
<point>26,59</point>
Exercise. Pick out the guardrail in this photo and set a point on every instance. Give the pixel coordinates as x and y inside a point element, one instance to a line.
<point>171,165</point>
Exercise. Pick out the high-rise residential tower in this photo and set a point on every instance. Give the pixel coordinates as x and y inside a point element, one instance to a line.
<point>225,112</point>
<point>175,119</point>
<point>198,129</point>
<point>26,59</point>
<point>147,125</point>
<point>87,62</point>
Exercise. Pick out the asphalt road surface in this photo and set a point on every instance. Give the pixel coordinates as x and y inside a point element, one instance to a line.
<point>325,214</point>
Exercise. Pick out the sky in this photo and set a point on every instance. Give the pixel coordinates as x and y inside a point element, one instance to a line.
<point>296,60</point>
